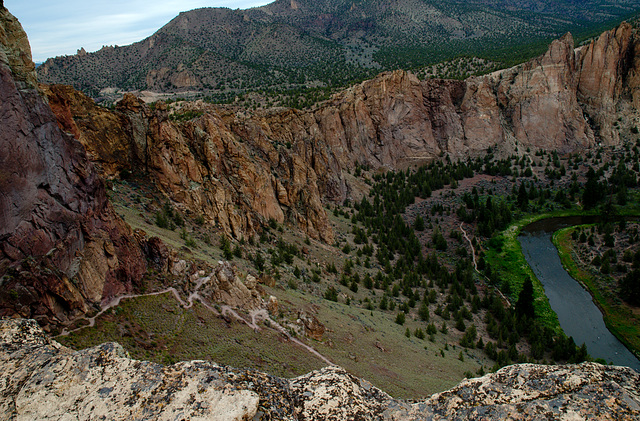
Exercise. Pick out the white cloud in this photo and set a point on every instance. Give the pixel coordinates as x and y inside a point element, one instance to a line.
<point>62,27</point>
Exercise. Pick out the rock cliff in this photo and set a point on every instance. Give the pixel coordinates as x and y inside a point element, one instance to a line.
<point>609,81</point>
<point>62,247</point>
<point>221,165</point>
<point>44,380</point>
<point>240,167</point>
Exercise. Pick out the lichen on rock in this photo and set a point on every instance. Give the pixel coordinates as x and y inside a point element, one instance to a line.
<point>44,380</point>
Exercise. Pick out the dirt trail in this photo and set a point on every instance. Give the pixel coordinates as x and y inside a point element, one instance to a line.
<point>473,250</point>
<point>256,316</point>
<point>115,302</point>
<point>475,264</point>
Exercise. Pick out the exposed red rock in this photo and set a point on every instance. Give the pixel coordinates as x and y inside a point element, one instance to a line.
<point>609,79</point>
<point>220,165</point>
<point>313,328</point>
<point>63,248</point>
<point>240,168</point>
<point>99,130</point>
<point>225,286</point>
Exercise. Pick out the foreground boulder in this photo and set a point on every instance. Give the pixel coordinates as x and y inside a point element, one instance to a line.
<point>45,380</point>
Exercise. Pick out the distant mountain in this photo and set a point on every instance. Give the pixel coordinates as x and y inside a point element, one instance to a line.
<point>293,43</point>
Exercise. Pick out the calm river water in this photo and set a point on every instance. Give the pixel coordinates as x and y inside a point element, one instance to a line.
<point>579,317</point>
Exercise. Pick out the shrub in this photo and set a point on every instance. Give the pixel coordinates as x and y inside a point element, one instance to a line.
<point>161,220</point>
<point>331,294</point>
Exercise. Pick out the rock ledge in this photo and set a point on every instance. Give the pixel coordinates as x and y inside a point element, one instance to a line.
<point>48,381</point>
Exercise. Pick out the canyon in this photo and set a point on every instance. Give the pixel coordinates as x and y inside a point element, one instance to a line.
<point>240,168</point>
<point>65,251</point>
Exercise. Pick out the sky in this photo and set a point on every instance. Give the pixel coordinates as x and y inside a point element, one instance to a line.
<point>62,27</point>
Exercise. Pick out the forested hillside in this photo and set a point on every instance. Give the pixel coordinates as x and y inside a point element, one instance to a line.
<point>292,45</point>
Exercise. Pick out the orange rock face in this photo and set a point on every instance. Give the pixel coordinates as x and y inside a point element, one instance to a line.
<point>240,168</point>
<point>609,79</point>
<point>313,328</point>
<point>221,166</point>
<point>100,131</point>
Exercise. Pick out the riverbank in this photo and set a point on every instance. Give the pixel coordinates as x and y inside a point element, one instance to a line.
<point>618,317</point>
<point>504,255</point>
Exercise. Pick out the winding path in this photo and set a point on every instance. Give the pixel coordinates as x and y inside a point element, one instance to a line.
<point>115,302</point>
<point>475,264</point>
<point>256,315</point>
<point>473,250</point>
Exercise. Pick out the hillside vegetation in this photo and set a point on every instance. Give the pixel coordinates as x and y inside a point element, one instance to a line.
<point>421,270</point>
<point>303,44</point>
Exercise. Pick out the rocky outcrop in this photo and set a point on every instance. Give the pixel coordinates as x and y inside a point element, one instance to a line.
<point>180,78</point>
<point>241,168</point>
<point>529,391</point>
<point>313,328</point>
<point>100,131</point>
<point>15,51</point>
<point>539,100</point>
<point>609,80</point>
<point>44,380</point>
<point>221,165</point>
<point>48,381</point>
<point>62,247</point>
<point>226,287</point>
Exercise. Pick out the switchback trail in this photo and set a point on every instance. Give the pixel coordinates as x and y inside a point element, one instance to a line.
<point>256,316</point>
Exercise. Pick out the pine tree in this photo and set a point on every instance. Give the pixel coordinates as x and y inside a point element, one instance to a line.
<point>523,197</point>
<point>593,191</point>
<point>423,312</point>
<point>524,305</point>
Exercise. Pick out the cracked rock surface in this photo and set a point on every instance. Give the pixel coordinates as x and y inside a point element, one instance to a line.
<point>44,380</point>
<point>63,248</point>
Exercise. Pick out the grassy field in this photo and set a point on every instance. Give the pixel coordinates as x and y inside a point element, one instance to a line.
<point>366,343</point>
<point>619,318</point>
<point>371,345</point>
<point>157,328</point>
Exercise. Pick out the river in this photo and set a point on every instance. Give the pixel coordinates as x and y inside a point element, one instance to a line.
<point>579,317</point>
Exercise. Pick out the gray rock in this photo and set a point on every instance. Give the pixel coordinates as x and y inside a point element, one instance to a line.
<point>44,380</point>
